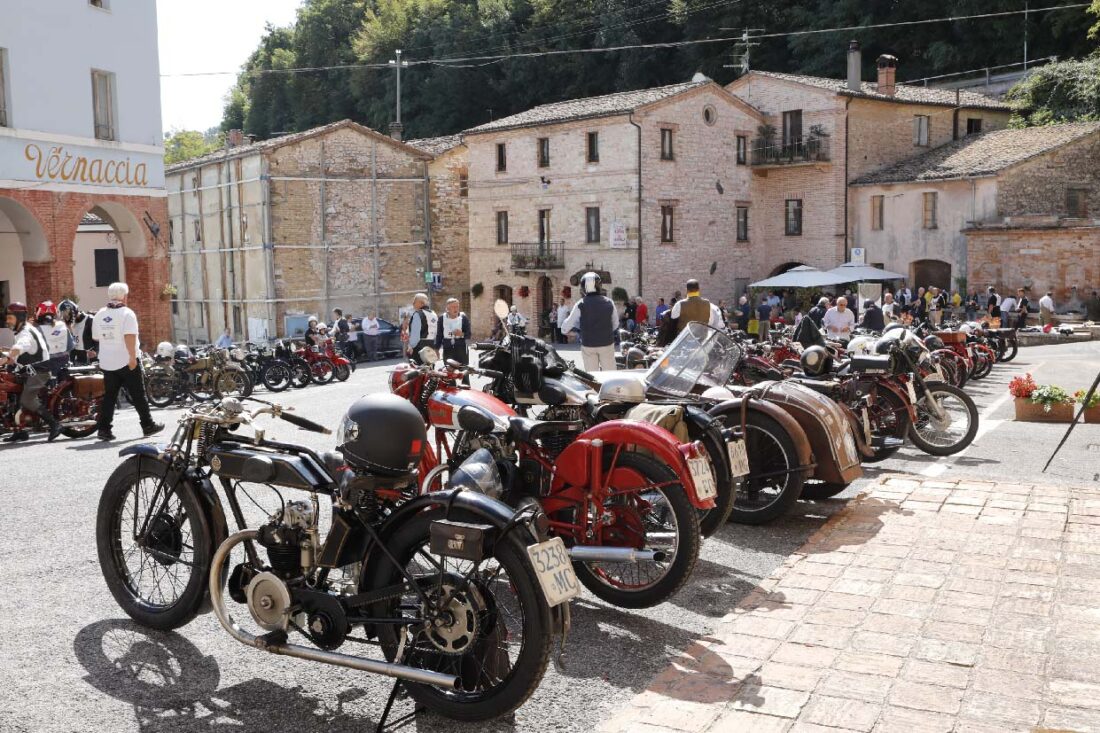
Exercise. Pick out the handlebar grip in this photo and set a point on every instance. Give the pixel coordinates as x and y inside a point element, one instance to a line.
<point>583,374</point>
<point>491,373</point>
<point>485,345</point>
<point>304,424</point>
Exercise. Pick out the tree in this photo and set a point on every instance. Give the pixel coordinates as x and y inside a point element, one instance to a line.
<point>1066,91</point>
<point>181,145</point>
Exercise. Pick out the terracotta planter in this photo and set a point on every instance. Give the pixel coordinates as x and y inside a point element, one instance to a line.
<point>1092,414</point>
<point>1031,412</point>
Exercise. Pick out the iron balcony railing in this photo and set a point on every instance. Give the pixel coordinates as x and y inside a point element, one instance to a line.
<point>773,151</point>
<point>538,255</point>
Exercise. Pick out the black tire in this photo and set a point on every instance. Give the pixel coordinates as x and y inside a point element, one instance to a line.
<point>711,520</point>
<point>118,496</point>
<point>817,490</point>
<point>276,376</point>
<point>1011,349</point>
<point>341,372</point>
<point>161,388</point>
<point>771,451</point>
<point>983,364</point>
<point>300,370</point>
<point>529,666</point>
<point>87,411</point>
<point>963,403</point>
<point>321,371</point>
<point>201,386</point>
<point>688,541</point>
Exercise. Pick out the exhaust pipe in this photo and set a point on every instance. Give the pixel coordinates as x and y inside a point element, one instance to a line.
<point>388,669</point>
<point>596,553</point>
<point>81,424</point>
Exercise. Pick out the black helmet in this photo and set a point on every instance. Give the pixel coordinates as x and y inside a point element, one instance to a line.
<point>816,361</point>
<point>382,434</point>
<point>67,309</point>
<point>933,342</point>
<point>19,311</point>
<point>892,327</point>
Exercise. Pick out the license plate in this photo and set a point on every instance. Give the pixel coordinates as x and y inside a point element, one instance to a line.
<point>703,478</point>
<point>554,570</point>
<point>912,392</point>
<point>739,458</point>
<point>936,375</point>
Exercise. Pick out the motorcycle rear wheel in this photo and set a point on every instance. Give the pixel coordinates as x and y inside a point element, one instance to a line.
<point>161,388</point>
<point>321,371</point>
<point>1009,353</point>
<point>68,408</point>
<point>775,479</point>
<point>711,520</point>
<point>299,368</point>
<point>276,376</point>
<point>621,584</point>
<point>142,580</point>
<point>512,607</point>
<point>341,372</point>
<point>945,441</point>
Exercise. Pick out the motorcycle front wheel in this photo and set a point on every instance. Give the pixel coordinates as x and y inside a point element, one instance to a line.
<point>950,432</point>
<point>160,583</point>
<point>160,387</point>
<point>341,372</point>
<point>276,376</point>
<point>299,369</point>
<point>321,371</point>
<point>233,383</point>
<point>78,416</point>
<point>658,516</point>
<point>711,520</point>
<point>495,634</point>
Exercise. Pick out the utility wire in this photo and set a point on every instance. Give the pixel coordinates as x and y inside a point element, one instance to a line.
<point>615,49</point>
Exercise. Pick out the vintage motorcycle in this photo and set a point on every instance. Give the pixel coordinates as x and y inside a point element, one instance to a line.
<point>265,368</point>
<point>73,398</point>
<point>622,494</point>
<point>459,594</point>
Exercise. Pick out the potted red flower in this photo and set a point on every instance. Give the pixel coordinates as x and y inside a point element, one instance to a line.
<point>1040,403</point>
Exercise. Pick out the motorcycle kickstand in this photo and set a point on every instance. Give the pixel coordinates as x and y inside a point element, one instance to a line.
<point>389,707</point>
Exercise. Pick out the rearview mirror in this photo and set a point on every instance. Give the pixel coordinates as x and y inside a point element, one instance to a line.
<point>501,309</point>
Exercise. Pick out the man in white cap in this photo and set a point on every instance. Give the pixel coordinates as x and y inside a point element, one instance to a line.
<point>596,316</point>
<point>423,326</point>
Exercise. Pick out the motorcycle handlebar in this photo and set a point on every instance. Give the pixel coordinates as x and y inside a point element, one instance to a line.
<point>304,424</point>
<point>485,345</point>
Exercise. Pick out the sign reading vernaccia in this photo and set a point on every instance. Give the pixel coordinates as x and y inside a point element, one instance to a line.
<point>62,164</point>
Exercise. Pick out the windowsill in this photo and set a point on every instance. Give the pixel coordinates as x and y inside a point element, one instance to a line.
<point>673,242</point>
<point>592,162</point>
<point>667,160</point>
<point>743,241</point>
<point>792,234</point>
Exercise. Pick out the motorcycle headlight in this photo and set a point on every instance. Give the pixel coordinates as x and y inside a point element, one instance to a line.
<point>478,473</point>
<point>347,432</point>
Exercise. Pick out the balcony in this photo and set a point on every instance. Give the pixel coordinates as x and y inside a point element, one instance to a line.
<point>773,151</point>
<point>538,255</point>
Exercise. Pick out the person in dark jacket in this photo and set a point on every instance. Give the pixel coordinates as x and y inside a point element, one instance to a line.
<point>873,320</point>
<point>598,320</point>
<point>80,326</point>
<point>817,313</point>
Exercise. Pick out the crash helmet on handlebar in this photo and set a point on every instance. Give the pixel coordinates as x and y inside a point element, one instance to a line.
<point>382,434</point>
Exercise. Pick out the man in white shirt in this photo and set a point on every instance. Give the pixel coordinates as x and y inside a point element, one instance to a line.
<point>30,349</point>
<point>889,308</point>
<point>371,328</point>
<point>1008,311</point>
<point>115,327</point>
<point>1046,309</point>
<point>563,313</point>
<point>839,321</point>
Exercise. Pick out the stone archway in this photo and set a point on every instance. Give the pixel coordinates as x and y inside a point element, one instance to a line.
<point>780,269</point>
<point>926,273</point>
<point>22,240</point>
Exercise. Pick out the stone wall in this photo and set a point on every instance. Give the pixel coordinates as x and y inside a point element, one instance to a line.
<point>449,195</point>
<point>1039,186</point>
<point>1055,257</point>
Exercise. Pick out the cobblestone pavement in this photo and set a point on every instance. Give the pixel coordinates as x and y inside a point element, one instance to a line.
<point>923,606</point>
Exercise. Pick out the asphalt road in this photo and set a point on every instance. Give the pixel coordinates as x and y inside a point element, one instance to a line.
<point>70,660</point>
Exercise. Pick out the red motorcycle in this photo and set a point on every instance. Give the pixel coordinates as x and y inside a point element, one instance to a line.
<point>307,363</point>
<point>342,367</point>
<point>73,400</point>
<point>621,494</point>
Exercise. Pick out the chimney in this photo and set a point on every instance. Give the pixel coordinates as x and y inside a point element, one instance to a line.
<point>887,71</point>
<point>233,138</point>
<point>855,64</point>
<point>396,128</point>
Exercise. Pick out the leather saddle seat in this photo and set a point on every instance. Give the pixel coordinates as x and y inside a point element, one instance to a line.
<point>528,430</point>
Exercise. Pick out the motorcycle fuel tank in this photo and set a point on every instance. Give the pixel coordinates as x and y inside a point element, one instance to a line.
<point>444,404</point>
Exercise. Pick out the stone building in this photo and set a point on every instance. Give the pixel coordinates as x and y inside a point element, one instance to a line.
<point>643,186</point>
<point>819,134</point>
<point>79,135</point>
<point>448,172</point>
<point>1010,208</point>
<point>336,216</point>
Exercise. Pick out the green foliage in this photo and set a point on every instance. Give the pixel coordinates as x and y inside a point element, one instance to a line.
<point>476,290</point>
<point>181,145</point>
<point>445,98</point>
<point>1049,395</point>
<point>1094,9</point>
<point>1066,91</point>
<point>619,295</point>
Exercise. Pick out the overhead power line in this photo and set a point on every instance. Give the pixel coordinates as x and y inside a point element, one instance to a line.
<point>635,47</point>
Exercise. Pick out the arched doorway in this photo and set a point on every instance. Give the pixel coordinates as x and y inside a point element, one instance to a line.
<point>503,292</point>
<point>22,240</point>
<point>98,261</point>
<point>544,297</point>
<point>784,268</point>
<point>926,273</point>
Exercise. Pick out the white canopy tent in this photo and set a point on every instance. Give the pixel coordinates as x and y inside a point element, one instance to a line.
<point>851,272</point>
<point>802,276</point>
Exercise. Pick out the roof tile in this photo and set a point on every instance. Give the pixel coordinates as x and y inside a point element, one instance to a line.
<point>902,92</point>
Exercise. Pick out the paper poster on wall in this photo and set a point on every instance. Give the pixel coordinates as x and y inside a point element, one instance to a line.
<point>618,234</point>
<point>257,330</point>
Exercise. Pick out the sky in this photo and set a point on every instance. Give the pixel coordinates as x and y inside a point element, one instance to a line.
<point>208,35</point>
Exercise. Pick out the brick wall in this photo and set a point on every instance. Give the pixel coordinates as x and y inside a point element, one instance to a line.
<point>450,214</point>
<point>1039,186</point>
<point>1058,258</point>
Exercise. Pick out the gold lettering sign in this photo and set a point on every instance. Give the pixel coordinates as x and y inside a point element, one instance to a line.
<point>61,165</point>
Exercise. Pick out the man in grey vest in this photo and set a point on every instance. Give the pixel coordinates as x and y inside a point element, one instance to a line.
<point>596,316</point>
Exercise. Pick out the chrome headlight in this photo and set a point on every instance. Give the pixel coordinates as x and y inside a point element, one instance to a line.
<point>478,473</point>
<point>347,432</point>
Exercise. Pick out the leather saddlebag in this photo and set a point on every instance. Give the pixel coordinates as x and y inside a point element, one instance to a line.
<point>88,387</point>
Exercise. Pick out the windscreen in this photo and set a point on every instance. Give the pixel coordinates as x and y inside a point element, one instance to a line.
<point>700,356</point>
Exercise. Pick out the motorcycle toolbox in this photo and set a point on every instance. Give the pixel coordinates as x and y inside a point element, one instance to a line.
<point>88,387</point>
<point>238,463</point>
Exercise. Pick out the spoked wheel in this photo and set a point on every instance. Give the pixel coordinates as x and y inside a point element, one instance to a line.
<point>201,386</point>
<point>955,366</point>
<point>656,516</point>
<point>300,372</point>
<point>159,581</point>
<point>233,383</point>
<point>486,623</point>
<point>161,388</point>
<point>276,376</point>
<point>1010,350</point>
<point>78,416</point>
<point>775,477</point>
<point>947,426</point>
<point>321,371</point>
<point>984,357</point>
<point>341,372</point>
<point>889,418</point>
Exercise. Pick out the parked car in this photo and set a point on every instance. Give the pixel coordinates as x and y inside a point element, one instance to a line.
<point>389,339</point>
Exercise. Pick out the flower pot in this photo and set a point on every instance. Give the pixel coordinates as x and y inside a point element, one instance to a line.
<point>1092,414</point>
<point>1027,411</point>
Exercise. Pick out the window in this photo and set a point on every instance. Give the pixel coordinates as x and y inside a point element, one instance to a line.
<point>876,212</point>
<point>238,325</point>
<point>592,224</point>
<point>463,183</point>
<point>171,233</point>
<point>593,152</point>
<point>920,130</point>
<point>103,104</point>
<point>106,267</point>
<point>710,116</point>
<point>502,227</point>
<point>742,150</point>
<point>245,236</point>
<point>792,131</point>
<point>4,122</point>
<point>742,223</point>
<point>201,310</point>
<point>929,210</point>
<point>668,223</point>
<point>544,226</point>
<point>175,306</point>
<point>502,157</point>
<point>973,125</point>
<point>544,152</point>
<point>793,218</point>
<point>1077,203</point>
<point>666,144</point>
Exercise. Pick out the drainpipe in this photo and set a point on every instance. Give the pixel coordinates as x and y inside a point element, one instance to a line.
<point>269,246</point>
<point>846,148</point>
<point>427,230</point>
<point>955,118</point>
<point>639,201</point>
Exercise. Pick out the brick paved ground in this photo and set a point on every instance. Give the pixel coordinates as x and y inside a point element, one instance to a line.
<point>923,606</point>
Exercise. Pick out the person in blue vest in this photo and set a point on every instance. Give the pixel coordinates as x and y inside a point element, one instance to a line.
<point>596,316</point>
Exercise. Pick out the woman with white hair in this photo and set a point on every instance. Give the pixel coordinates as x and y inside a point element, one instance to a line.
<point>423,326</point>
<point>453,333</point>
<point>115,327</point>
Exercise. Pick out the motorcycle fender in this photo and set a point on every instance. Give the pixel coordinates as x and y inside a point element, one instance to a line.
<point>902,395</point>
<point>699,422</point>
<point>572,466</point>
<point>731,410</point>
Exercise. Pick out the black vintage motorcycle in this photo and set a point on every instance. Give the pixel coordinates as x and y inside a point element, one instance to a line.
<point>458,594</point>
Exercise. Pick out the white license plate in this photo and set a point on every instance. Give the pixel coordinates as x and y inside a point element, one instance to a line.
<point>912,392</point>
<point>739,458</point>
<point>554,570</point>
<point>703,478</point>
<point>936,375</point>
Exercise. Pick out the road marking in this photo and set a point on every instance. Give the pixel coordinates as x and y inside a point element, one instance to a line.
<point>986,425</point>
